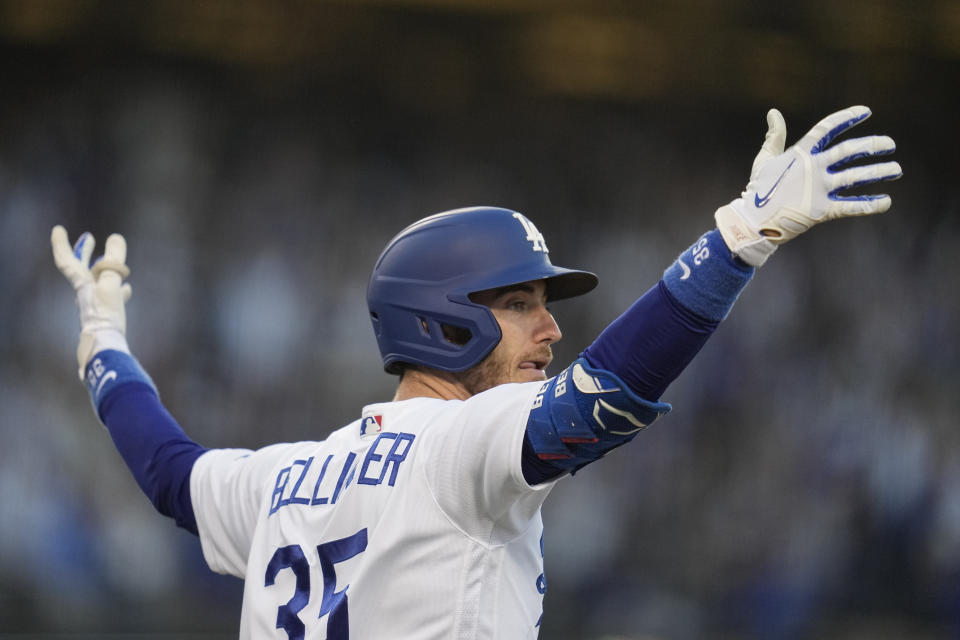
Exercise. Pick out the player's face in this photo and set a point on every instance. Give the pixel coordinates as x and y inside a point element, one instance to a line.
<point>528,329</point>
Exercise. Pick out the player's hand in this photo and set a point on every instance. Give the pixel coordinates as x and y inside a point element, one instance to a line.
<point>101,292</point>
<point>790,191</point>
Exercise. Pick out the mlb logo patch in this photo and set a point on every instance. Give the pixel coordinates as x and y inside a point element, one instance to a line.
<point>371,425</point>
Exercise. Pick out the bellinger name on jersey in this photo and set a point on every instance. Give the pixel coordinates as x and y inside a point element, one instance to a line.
<point>380,463</point>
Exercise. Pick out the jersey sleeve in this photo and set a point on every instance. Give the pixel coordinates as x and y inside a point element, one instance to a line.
<point>474,464</point>
<point>228,488</point>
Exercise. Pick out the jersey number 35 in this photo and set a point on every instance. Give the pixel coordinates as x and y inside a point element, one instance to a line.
<point>334,603</point>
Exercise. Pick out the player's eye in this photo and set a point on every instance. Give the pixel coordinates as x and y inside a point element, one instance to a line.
<point>517,305</point>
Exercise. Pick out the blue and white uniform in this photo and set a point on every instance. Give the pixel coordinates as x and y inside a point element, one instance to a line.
<point>422,517</point>
<point>440,532</point>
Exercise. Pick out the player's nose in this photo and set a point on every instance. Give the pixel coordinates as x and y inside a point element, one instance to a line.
<point>548,330</point>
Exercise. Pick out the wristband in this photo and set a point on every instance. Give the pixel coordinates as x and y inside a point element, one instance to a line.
<point>706,278</point>
<point>111,369</point>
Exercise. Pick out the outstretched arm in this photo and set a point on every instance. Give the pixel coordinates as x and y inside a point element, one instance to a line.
<point>157,451</point>
<point>648,346</point>
<point>788,193</point>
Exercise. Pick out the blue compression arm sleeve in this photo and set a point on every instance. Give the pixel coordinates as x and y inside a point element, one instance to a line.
<point>652,342</point>
<point>655,339</point>
<point>157,451</point>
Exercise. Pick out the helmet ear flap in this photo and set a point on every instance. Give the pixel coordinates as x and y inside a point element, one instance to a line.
<point>459,336</point>
<point>435,329</point>
<point>443,339</point>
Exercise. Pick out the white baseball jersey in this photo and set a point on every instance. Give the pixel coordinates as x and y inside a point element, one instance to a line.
<point>414,521</point>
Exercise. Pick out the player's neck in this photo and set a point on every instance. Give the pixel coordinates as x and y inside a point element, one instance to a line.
<point>430,383</point>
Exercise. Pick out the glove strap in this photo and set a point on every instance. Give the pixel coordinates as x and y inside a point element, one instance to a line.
<point>744,242</point>
<point>705,279</point>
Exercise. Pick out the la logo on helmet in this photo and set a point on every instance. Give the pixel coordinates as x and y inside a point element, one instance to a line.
<point>534,236</point>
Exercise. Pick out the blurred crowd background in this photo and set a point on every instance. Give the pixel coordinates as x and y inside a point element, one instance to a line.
<point>257,155</point>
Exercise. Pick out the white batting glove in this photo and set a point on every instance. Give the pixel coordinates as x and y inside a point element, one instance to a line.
<point>101,292</point>
<point>790,191</point>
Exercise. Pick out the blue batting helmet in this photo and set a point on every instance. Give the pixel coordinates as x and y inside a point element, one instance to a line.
<point>423,279</point>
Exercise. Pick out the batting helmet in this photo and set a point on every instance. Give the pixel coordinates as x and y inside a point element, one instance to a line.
<point>423,279</point>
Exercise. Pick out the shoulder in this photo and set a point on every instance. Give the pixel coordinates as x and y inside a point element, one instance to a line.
<point>512,398</point>
<point>515,396</point>
<point>494,413</point>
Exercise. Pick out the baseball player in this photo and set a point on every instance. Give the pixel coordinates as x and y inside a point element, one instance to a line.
<point>421,518</point>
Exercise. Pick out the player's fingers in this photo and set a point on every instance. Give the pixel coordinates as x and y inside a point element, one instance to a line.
<point>860,176</point>
<point>823,133</point>
<point>776,137</point>
<point>62,253</point>
<point>773,142</point>
<point>83,249</point>
<point>67,262</point>
<point>115,249</point>
<point>114,257</point>
<point>856,149</point>
<point>845,206</point>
